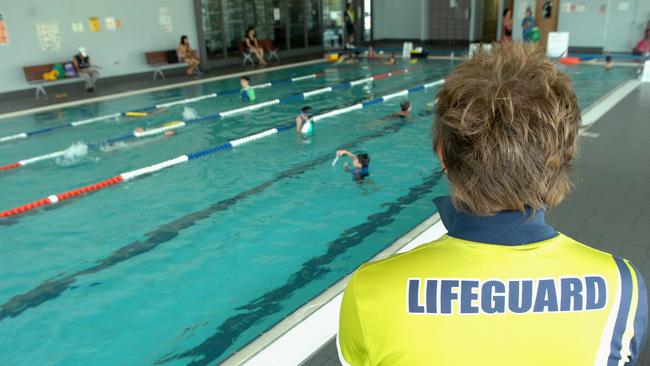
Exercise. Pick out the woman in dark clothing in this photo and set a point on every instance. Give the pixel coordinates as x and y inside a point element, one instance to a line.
<point>253,47</point>
<point>348,18</point>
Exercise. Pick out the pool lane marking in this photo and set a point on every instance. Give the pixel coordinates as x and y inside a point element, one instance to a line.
<point>117,115</point>
<point>157,88</point>
<point>126,176</point>
<point>315,268</point>
<point>174,125</point>
<point>54,287</point>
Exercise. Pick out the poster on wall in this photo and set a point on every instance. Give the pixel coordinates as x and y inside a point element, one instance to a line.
<point>557,44</point>
<point>165,19</point>
<point>48,35</point>
<point>78,26</point>
<point>111,24</point>
<point>94,24</point>
<point>4,37</point>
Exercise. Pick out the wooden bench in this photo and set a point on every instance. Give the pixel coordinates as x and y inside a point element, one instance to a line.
<point>266,44</point>
<point>159,59</point>
<point>34,76</point>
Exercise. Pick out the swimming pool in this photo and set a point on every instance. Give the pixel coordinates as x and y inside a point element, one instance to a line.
<point>187,265</point>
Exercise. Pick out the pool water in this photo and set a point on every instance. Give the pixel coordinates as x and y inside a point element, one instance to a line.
<point>187,265</point>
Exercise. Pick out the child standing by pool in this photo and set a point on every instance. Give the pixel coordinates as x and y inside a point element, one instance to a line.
<point>360,164</point>
<point>247,93</point>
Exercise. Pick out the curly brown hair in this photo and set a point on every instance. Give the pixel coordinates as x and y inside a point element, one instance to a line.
<point>506,130</point>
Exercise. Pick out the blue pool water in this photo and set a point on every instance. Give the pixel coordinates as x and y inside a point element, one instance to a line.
<point>189,264</point>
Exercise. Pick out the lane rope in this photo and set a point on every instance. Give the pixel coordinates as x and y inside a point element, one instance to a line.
<point>130,175</point>
<point>117,115</point>
<point>216,116</point>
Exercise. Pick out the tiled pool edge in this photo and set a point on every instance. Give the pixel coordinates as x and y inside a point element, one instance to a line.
<point>308,328</point>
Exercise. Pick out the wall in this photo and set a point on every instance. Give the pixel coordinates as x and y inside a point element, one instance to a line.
<point>120,52</point>
<point>615,30</point>
<point>421,19</point>
<point>397,19</point>
<point>449,23</point>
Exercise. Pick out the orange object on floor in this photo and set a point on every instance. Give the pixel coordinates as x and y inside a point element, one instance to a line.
<point>570,60</point>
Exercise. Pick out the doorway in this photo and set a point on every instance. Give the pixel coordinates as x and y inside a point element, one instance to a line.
<point>546,12</point>
<point>490,21</point>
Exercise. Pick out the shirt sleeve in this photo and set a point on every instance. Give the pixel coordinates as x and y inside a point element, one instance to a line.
<point>351,342</point>
<point>640,317</point>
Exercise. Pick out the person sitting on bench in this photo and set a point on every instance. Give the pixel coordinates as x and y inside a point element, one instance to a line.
<point>86,69</point>
<point>185,51</point>
<point>252,46</point>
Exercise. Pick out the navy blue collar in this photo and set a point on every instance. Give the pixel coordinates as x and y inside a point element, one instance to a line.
<point>504,228</point>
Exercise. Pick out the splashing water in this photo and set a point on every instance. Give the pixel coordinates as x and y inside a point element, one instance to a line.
<point>73,154</point>
<point>189,113</point>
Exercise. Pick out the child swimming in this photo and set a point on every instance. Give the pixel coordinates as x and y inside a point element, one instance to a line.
<point>247,93</point>
<point>405,110</point>
<point>391,59</point>
<point>360,163</point>
<point>304,123</point>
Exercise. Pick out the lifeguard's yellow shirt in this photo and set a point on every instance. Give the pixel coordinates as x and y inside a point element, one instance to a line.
<point>498,290</point>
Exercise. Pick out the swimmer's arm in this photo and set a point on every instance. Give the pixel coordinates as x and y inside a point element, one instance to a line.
<point>298,124</point>
<point>355,159</point>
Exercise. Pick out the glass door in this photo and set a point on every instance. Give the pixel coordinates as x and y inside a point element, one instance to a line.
<point>298,37</point>
<point>367,20</point>
<point>314,32</point>
<point>234,27</point>
<point>280,19</point>
<point>333,24</point>
<point>212,29</point>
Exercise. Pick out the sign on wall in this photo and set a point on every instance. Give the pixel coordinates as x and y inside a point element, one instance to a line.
<point>165,19</point>
<point>78,26</point>
<point>94,24</point>
<point>48,35</point>
<point>111,24</point>
<point>4,37</point>
<point>557,44</point>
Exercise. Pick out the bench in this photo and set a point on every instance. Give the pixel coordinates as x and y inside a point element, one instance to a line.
<point>160,59</point>
<point>266,44</point>
<point>34,76</point>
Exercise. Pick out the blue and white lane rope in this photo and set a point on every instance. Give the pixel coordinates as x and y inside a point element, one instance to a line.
<point>117,115</point>
<point>180,124</point>
<point>126,176</point>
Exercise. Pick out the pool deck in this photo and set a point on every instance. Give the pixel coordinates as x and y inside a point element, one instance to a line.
<point>609,208</point>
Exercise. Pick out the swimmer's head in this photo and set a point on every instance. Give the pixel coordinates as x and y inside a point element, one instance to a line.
<point>364,160</point>
<point>405,106</point>
<point>139,130</point>
<point>306,112</point>
<point>245,81</point>
<point>608,58</point>
<point>169,133</point>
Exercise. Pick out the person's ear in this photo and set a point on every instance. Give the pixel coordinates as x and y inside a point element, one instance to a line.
<point>441,156</point>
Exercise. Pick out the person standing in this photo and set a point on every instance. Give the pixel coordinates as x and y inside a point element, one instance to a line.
<point>86,69</point>
<point>186,53</point>
<point>506,27</point>
<point>527,25</point>
<point>348,18</point>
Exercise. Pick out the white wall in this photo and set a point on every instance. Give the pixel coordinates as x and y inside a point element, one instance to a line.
<point>120,52</point>
<point>615,30</point>
<point>399,19</point>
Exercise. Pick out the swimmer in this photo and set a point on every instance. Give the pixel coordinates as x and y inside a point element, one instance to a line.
<point>391,59</point>
<point>304,123</point>
<point>608,62</point>
<point>168,133</point>
<point>371,53</point>
<point>405,110</point>
<point>360,163</point>
<point>247,93</point>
